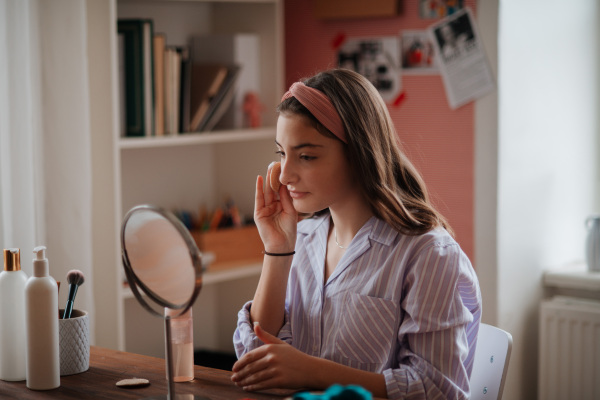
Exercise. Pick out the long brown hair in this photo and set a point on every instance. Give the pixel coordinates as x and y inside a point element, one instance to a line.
<point>390,183</point>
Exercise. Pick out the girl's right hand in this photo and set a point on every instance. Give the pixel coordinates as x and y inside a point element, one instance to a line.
<point>275,216</point>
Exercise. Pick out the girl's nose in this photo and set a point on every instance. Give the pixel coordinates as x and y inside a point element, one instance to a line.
<point>286,172</point>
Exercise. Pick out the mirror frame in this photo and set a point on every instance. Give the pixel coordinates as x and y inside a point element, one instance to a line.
<point>134,281</point>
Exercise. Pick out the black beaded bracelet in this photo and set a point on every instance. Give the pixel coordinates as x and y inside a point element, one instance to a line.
<point>291,253</point>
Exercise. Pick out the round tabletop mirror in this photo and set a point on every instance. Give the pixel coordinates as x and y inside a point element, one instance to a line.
<point>163,266</point>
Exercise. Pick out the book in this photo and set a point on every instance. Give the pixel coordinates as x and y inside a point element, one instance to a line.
<point>159,42</point>
<point>222,101</point>
<point>241,49</point>
<point>122,97</point>
<point>172,89</point>
<point>185,91</point>
<point>206,80</point>
<point>139,85</point>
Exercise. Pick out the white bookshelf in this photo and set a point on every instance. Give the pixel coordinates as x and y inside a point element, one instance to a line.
<point>193,139</point>
<point>216,277</point>
<point>191,170</point>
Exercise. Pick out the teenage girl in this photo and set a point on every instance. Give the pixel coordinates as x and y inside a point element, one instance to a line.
<point>369,288</point>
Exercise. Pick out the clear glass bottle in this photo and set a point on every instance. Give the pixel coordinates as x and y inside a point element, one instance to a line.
<point>12,318</point>
<point>182,345</point>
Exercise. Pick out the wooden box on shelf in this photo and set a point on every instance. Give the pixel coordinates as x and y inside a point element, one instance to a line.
<point>232,247</point>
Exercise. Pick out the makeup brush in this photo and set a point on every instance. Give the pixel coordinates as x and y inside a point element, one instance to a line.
<point>75,279</point>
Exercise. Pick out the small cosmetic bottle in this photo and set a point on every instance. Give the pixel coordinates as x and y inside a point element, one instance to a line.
<point>41,310</point>
<point>12,318</point>
<point>182,345</point>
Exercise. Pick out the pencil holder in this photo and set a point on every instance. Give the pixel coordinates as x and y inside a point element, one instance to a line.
<point>74,342</point>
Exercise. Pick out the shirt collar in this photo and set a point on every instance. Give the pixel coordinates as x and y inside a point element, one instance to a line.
<point>378,230</point>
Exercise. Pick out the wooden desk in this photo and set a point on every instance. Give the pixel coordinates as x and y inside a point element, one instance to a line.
<point>107,367</point>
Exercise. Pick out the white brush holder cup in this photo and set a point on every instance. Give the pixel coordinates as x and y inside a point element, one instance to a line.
<point>74,342</point>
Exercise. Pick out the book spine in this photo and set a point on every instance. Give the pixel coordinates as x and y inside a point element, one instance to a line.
<point>159,83</point>
<point>133,78</point>
<point>138,76</point>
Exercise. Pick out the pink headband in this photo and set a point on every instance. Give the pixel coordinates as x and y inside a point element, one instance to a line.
<point>320,106</point>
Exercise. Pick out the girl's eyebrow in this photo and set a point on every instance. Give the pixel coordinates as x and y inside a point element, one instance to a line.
<point>301,145</point>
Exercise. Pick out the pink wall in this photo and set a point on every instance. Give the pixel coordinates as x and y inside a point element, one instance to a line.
<point>439,141</point>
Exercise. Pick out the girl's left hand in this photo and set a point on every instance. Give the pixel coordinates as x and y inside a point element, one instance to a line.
<point>276,364</point>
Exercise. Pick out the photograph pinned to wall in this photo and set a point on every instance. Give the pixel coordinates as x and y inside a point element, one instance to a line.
<point>418,55</point>
<point>461,58</point>
<point>434,9</point>
<point>377,59</point>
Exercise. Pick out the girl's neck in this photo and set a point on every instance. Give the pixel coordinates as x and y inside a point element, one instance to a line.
<point>346,222</point>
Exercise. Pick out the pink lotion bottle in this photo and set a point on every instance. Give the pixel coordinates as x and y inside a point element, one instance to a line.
<point>41,310</point>
<point>12,318</point>
<point>182,345</point>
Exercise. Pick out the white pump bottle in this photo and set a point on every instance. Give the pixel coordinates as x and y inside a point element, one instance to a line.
<point>41,309</point>
<point>12,318</point>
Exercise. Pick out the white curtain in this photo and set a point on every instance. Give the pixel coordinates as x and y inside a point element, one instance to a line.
<point>45,139</point>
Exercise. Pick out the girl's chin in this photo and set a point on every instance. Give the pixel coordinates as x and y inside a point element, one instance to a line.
<point>302,207</point>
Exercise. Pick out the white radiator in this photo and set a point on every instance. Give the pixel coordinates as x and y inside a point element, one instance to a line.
<point>569,353</point>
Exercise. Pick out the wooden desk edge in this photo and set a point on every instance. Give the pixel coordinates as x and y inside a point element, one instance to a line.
<point>108,366</point>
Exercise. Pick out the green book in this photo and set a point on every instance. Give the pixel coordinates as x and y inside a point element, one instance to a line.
<point>138,76</point>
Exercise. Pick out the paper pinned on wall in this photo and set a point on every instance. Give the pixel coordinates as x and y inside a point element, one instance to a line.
<point>461,58</point>
<point>377,59</point>
<point>418,56</point>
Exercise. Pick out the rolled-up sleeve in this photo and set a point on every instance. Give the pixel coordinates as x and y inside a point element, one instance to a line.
<point>244,338</point>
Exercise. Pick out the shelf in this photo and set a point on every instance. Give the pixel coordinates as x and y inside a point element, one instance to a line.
<point>199,1</point>
<point>200,138</point>
<point>188,171</point>
<point>214,277</point>
<point>573,276</point>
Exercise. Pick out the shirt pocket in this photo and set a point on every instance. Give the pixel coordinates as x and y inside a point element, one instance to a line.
<point>367,332</point>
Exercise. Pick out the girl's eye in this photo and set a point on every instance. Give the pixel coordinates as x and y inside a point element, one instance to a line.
<point>307,158</point>
<point>280,153</point>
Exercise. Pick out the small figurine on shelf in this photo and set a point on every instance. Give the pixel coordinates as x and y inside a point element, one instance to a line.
<point>253,109</point>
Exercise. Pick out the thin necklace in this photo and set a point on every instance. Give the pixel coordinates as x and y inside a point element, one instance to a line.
<point>336,241</point>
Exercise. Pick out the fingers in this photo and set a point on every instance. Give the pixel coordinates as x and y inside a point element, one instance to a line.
<point>251,368</point>
<point>264,196</point>
<point>265,336</point>
<point>286,200</point>
<point>257,371</point>
<point>259,383</point>
<point>259,200</point>
<point>270,195</point>
<point>261,380</point>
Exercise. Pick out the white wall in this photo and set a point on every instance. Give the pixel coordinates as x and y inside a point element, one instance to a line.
<point>100,20</point>
<point>531,204</point>
<point>486,169</point>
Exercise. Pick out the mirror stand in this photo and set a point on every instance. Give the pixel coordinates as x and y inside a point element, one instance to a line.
<point>145,229</point>
<point>171,395</point>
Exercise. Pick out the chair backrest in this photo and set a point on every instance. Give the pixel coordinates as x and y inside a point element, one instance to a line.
<point>490,363</point>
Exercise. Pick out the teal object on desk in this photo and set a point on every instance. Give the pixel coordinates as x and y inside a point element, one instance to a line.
<point>337,392</point>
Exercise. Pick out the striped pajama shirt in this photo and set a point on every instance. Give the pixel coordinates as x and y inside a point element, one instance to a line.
<point>408,307</point>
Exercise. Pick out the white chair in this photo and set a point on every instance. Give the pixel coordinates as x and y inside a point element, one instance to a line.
<point>490,363</point>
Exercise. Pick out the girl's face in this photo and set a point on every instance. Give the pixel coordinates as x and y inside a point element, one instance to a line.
<point>314,167</point>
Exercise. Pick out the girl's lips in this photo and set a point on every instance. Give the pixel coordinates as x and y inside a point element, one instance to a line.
<point>297,195</point>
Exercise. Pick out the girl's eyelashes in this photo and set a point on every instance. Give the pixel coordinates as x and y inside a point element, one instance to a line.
<point>304,157</point>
